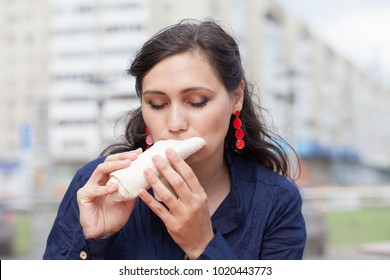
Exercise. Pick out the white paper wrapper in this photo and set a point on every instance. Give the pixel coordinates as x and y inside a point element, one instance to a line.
<point>131,179</point>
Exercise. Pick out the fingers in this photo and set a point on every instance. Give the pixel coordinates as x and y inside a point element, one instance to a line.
<point>184,170</point>
<point>174,179</point>
<point>88,194</point>
<point>104,169</point>
<point>126,155</point>
<point>180,177</point>
<point>153,204</point>
<point>95,186</point>
<point>164,194</point>
<point>112,163</point>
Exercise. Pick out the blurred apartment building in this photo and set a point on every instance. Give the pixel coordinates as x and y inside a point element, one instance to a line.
<point>332,113</point>
<point>91,44</point>
<point>23,83</point>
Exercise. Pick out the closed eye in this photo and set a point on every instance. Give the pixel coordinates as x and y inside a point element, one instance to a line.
<point>157,106</point>
<point>200,104</point>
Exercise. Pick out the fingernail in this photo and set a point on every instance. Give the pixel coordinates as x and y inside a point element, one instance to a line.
<point>157,159</point>
<point>170,152</point>
<point>142,194</point>
<point>148,172</point>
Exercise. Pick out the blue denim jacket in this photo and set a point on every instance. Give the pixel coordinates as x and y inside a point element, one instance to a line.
<point>259,219</point>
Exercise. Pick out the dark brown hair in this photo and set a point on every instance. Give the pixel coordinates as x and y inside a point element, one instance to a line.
<point>221,50</point>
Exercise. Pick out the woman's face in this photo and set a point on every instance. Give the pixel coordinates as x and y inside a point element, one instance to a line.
<point>183,97</point>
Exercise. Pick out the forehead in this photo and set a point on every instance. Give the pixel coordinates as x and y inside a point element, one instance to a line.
<point>189,69</point>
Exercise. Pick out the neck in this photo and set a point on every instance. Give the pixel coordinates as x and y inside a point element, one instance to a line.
<point>210,169</point>
<point>214,178</point>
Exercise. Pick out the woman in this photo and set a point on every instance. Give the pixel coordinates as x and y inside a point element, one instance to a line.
<point>232,199</point>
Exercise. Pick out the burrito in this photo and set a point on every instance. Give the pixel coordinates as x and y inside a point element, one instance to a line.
<point>131,179</point>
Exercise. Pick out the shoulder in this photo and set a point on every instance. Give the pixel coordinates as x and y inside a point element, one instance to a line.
<point>91,166</point>
<point>85,172</point>
<point>249,174</point>
<point>265,192</point>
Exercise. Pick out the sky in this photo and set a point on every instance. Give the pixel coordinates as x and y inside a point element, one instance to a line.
<point>357,29</point>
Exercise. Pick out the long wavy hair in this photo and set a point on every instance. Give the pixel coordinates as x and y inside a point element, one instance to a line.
<point>221,50</point>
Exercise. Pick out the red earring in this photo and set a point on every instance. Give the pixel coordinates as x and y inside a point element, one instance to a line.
<point>148,140</point>
<point>237,124</point>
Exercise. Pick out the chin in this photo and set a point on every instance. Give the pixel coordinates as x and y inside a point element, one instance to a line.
<point>196,158</point>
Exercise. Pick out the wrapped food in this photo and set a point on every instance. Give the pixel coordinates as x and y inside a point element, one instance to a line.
<point>131,179</point>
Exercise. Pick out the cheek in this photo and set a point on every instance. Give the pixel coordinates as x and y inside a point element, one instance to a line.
<point>151,122</point>
<point>145,116</point>
<point>213,129</point>
<point>216,124</point>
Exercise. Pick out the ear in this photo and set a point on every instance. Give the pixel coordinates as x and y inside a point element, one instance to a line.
<point>238,97</point>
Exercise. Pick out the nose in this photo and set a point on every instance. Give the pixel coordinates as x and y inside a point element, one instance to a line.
<point>177,119</point>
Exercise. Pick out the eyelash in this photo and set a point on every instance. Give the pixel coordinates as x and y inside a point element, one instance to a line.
<point>156,107</point>
<point>200,104</point>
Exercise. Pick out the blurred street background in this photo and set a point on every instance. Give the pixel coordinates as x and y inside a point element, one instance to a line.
<point>320,68</point>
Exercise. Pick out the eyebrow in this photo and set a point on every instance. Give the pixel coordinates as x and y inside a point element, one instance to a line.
<point>181,92</point>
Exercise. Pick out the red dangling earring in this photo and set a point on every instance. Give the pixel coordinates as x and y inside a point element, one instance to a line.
<point>237,124</point>
<point>148,140</point>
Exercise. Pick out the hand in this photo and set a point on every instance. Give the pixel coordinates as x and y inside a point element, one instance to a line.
<point>186,214</point>
<point>100,216</point>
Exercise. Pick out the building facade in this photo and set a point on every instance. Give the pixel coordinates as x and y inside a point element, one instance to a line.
<point>23,82</point>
